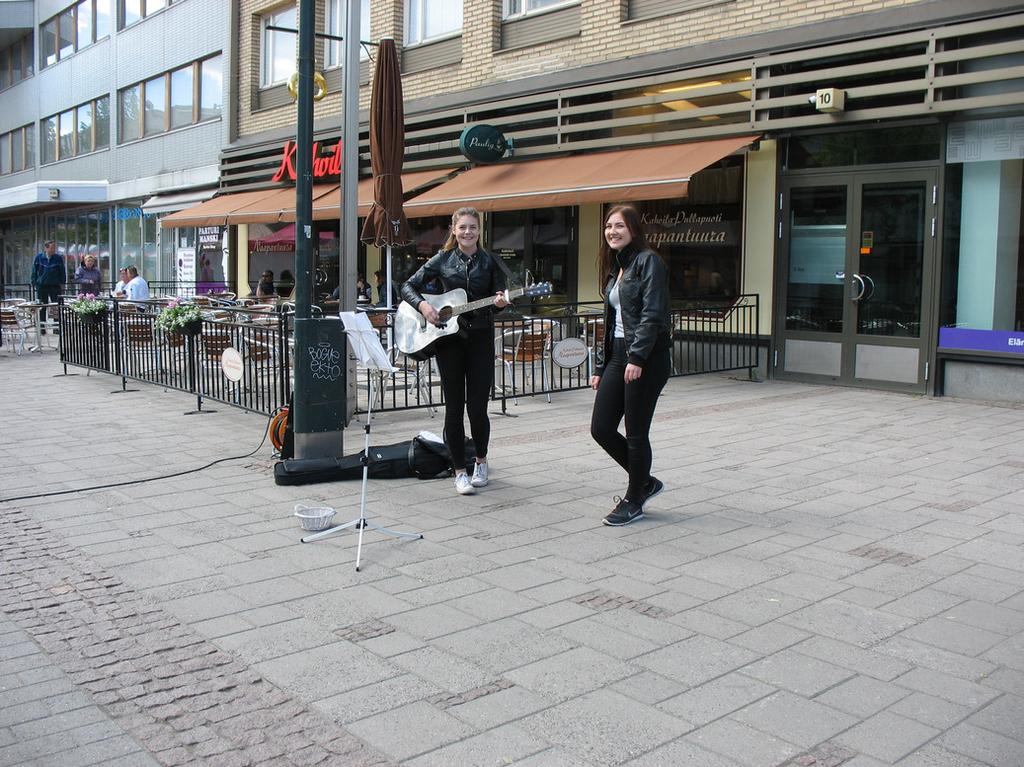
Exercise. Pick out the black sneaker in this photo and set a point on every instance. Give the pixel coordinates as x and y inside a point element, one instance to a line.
<point>654,486</point>
<point>624,513</point>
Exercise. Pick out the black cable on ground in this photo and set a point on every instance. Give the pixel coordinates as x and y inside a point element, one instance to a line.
<point>266,431</point>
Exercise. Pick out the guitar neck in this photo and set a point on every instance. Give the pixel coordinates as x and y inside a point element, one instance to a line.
<point>481,303</point>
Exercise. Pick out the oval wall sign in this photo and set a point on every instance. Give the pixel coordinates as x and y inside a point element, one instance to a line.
<point>569,353</point>
<point>483,143</point>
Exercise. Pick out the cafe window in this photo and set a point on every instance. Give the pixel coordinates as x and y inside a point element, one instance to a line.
<point>73,29</point>
<point>272,248</point>
<point>82,234</point>
<point>175,99</point>
<point>427,20</point>
<point>278,54</point>
<point>428,235</point>
<point>983,270</point>
<point>700,235</point>
<point>16,150</point>
<point>132,11</point>
<point>334,49</point>
<point>537,246</point>
<point>77,131</point>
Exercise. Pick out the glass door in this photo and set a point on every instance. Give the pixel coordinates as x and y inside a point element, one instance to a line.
<point>857,260</point>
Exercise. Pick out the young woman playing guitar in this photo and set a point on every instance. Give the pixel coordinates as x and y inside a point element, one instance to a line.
<point>465,359</point>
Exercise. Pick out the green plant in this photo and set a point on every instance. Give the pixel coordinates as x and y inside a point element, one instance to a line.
<point>86,304</point>
<point>177,315</point>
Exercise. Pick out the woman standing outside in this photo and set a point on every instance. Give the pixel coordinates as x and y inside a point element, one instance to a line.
<point>637,356</point>
<point>88,276</point>
<point>464,359</point>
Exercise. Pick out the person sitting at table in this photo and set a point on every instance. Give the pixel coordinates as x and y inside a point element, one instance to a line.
<point>137,288</point>
<point>363,291</point>
<point>382,290</point>
<point>122,280</point>
<point>88,276</point>
<point>265,287</point>
<point>48,276</point>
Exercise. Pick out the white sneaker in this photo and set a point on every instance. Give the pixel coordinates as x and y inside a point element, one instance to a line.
<point>463,484</point>
<point>480,475</point>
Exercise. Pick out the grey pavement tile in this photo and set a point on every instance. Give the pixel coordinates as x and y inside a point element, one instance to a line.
<point>794,718</point>
<point>499,707</point>
<point>450,672</point>
<point>1006,679</point>
<point>570,674</point>
<point>717,698</point>
<point>322,671</point>
<point>551,616</point>
<point>951,688</point>
<point>499,746</point>
<point>971,586</point>
<point>949,633</point>
<point>492,603</point>
<point>707,623</point>
<point>863,661</point>
<point>504,644</point>
<point>989,748</point>
<point>927,709</point>
<point>696,660</point>
<point>647,687</point>
<point>662,631</point>
<point>891,579</point>
<point>839,619</point>
<point>757,605</point>
<point>410,730</point>
<point>637,729</point>
<point>697,588</point>
<point>376,698</point>
<point>743,744</point>
<point>598,635</point>
<point>806,586</point>
<point>923,604</point>
<point>732,571</point>
<point>281,639</point>
<point>929,656</point>
<point>1009,652</point>
<point>552,757</point>
<point>769,638</point>
<point>934,755</point>
<point>1004,715</point>
<point>798,673</point>
<point>680,752</point>
<point>863,696</point>
<point>433,621</point>
<point>887,736</point>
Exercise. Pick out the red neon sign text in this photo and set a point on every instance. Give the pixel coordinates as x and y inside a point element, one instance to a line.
<point>323,165</point>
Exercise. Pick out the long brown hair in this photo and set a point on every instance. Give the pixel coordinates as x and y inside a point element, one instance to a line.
<point>452,242</point>
<point>606,254</point>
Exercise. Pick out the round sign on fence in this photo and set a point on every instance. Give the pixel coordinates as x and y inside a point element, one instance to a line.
<point>231,364</point>
<point>569,353</point>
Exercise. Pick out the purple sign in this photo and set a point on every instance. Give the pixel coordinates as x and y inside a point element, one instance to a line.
<point>981,340</point>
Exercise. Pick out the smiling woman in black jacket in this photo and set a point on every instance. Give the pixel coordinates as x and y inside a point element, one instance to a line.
<point>465,359</point>
<point>637,359</point>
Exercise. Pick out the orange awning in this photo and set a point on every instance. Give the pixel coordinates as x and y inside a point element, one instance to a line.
<point>649,173</point>
<point>215,212</point>
<point>328,206</point>
<point>279,206</point>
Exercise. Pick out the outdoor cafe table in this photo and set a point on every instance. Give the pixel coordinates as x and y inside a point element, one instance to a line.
<point>36,309</point>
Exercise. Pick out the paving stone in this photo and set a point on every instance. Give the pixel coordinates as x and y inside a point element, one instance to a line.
<point>887,736</point>
<point>793,671</point>
<point>743,744</point>
<point>794,719</point>
<point>927,709</point>
<point>713,700</point>
<point>987,747</point>
<point>570,674</point>
<point>410,730</point>
<point>862,696</point>
<point>696,660</point>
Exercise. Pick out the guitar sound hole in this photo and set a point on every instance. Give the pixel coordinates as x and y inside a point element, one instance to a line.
<point>446,313</point>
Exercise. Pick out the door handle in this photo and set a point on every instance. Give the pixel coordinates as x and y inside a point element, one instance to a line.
<point>863,287</point>
<point>871,287</point>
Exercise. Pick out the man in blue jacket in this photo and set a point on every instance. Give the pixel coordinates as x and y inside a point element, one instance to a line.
<point>48,275</point>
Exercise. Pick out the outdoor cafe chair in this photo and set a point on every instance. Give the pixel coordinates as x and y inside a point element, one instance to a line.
<point>523,351</point>
<point>14,329</point>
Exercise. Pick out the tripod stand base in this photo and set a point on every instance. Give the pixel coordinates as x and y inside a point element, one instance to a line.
<point>361,523</point>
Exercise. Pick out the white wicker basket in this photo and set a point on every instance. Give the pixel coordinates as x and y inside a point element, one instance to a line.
<point>314,517</point>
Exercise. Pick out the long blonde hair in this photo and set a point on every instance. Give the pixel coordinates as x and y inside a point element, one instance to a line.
<point>452,242</point>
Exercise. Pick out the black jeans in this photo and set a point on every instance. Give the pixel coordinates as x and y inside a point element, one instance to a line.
<point>466,364</point>
<point>48,294</point>
<point>636,402</point>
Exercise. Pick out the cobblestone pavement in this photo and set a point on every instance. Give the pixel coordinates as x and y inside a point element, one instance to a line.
<point>831,577</point>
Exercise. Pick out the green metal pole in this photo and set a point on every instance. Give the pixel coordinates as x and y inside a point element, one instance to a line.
<point>320,350</point>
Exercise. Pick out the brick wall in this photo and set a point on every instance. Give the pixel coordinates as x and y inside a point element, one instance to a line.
<point>605,35</point>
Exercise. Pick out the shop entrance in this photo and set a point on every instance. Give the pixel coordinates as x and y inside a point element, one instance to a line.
<point>538,246</point>
<point>857,259</point>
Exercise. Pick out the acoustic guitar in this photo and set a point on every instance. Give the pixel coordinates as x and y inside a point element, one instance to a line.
<point>414,336</point>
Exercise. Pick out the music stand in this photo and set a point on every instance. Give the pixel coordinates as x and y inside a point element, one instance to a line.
<point>365,344</point>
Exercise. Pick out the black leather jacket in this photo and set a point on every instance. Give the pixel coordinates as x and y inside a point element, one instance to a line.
<point>480,277</point>
<point>643,297</point>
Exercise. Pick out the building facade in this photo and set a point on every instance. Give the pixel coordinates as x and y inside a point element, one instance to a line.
<point>111,115</point>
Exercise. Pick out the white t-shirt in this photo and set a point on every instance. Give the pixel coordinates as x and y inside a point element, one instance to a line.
<point>119,287</point>
<point>137,289</point>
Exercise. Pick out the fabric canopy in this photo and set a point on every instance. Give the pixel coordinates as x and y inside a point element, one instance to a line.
<point>215,212</point>
<point>270,206</point>
<point>649,173</point>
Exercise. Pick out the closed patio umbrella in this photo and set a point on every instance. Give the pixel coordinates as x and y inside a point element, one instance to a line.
<point>386,225</point>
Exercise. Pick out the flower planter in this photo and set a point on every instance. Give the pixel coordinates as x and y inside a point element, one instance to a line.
<point>94,318</point>
<point>193,328</point>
